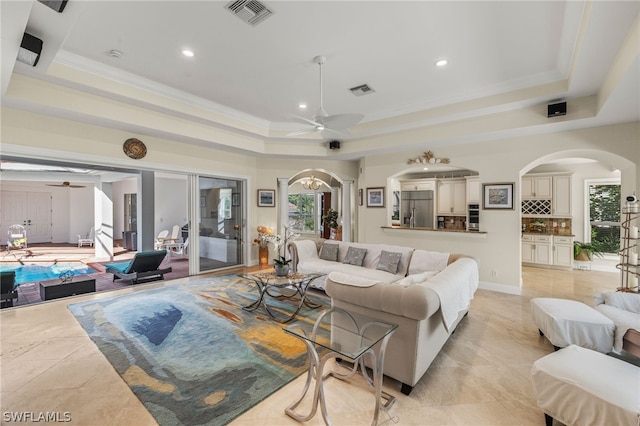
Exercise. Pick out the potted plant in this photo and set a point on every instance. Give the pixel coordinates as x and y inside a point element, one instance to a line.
<point>585,251</point>
<point>281,265</point>
<point>331,220</point>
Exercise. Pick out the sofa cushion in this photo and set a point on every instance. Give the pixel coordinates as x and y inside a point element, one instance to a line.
<point>415,278</point>
<point>423,260</point>
<point>373,254</point>
<point>329,252</point>
<point>389,261</point>
<point>355,256</point>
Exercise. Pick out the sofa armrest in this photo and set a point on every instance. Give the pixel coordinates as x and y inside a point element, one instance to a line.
<point>414,301</point>
<point>296,252</point>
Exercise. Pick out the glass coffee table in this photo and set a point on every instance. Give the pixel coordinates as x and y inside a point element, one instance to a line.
<point>281,288</point>
<point>343,335</point>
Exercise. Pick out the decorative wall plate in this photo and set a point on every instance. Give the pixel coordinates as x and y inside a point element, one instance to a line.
<point>134,148</point>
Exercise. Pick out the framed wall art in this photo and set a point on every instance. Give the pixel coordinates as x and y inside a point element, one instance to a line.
<point>375,197</point>
<point>497,196</point>
<point>266,197</point>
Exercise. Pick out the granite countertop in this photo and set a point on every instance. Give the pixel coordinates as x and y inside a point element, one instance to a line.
<point>546,233</point>
<point>433,229</point>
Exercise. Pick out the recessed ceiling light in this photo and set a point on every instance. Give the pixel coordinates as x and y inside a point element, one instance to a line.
<point>188,53</point>
<point>425,168</point>
<point>441,62</point>
<point>302,106</point>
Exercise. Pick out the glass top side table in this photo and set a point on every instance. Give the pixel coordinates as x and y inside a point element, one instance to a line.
<point>281,288</point>
<point>342,334</point>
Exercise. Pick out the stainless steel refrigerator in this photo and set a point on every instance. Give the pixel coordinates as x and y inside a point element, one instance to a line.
<point>417,209</point>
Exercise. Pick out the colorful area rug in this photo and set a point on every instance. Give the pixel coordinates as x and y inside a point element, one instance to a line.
<point>191,354</point>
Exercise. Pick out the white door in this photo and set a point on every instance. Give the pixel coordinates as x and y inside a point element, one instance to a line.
<point>29,209</point>
<point>39,217</point>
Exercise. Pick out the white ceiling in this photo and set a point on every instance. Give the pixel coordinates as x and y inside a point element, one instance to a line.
<point>503,55</point>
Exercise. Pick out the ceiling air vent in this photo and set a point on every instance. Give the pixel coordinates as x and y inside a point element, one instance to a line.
<point>250,11</point>
<point>361,90</point>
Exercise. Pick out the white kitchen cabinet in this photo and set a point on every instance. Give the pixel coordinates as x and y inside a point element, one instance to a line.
<point>536,187</point>
<point>537,249</point>
<point>418,185</point>
<point>452,197</point>
<point>473,190</point>
<point>561,196</point>
<point>563,251</point>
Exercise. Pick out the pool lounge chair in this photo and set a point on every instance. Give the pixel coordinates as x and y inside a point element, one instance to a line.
<point>8,288</point>
<point>144,264</point>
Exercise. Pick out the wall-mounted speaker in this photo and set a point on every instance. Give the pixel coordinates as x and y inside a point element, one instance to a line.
<point>30,50</point>
<point>556,110</point>
<point>57,5</point>
<point>334,145</point>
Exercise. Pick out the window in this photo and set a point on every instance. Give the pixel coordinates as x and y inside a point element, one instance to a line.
<point>302,212</point>
<point>604,216</point>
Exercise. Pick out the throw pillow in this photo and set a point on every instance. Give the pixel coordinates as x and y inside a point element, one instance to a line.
<point>329,252</point>
<point>355,256</point>
<point>389,262</point>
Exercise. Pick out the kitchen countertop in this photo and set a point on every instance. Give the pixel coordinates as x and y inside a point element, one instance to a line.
<point>459,231</point>
<point>547,233</point>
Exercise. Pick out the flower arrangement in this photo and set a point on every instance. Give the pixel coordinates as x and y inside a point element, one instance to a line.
<point>265,236</point>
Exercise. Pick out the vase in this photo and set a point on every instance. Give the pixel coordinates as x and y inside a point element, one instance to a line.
<point>263,255</point>
<point>282,270</point>
<point>336,233</point>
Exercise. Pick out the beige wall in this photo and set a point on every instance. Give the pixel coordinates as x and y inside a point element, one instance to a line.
<point>496,161</point>
<point>499,161</point>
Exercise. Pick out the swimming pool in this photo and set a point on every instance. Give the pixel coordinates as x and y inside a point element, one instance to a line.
<point>34,272</point>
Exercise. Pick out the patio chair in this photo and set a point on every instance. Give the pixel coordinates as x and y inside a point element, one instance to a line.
<point>161,239</point>
<point>87,239</point>
<point>17,238</point>
<point>178,249</point>
<point>8,288</point>
<point>144,264</point>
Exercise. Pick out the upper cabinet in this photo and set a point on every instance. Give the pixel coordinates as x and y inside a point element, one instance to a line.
<point>452,197</point>
<point>561,196</point>
<point>418,185</point>
<point>473,190</point>
<point>546,195</point>
<point>536,187</point>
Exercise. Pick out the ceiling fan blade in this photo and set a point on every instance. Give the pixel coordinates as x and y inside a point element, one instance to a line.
<point>305,120</point>
<point>332,133</point>
<point>302,132</point>
<point>343,121</point>
<point>76,186</point>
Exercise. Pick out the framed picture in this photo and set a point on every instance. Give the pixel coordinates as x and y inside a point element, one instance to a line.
<point>235,199</point>
<point>497,196</point>
<point>266,197</point>
<point>375,197</point>
<point>360,196</point>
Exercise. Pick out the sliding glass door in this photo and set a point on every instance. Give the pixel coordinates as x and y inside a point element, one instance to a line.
<point>220,223</point>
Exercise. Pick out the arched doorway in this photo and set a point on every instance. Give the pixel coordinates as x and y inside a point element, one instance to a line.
<point>558,229</point>
<point>311,194</point>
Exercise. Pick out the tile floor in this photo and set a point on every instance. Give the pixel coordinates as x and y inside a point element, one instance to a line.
<point>481,377</point>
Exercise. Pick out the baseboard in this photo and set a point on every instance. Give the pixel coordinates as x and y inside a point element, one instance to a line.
<point>501,288</point>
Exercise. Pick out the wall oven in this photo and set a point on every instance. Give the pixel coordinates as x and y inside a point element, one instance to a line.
<point>473,217</point>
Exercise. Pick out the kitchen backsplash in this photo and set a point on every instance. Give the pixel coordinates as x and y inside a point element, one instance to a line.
<point>556,226</point>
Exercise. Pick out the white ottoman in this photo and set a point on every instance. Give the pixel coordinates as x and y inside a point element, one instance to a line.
<point>567,322</point>
<point>578,386</point>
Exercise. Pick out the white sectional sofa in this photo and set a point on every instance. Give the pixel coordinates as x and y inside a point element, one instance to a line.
<point>427,296</point>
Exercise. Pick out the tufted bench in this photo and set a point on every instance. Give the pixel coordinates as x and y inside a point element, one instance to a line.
<point>567,322</point>
<point>579,386</point>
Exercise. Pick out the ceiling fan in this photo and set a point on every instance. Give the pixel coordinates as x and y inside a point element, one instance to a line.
<point>65,185</point>
<point>327,125</point>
